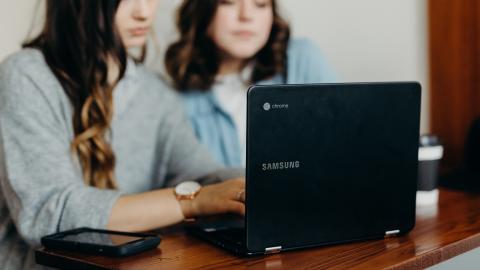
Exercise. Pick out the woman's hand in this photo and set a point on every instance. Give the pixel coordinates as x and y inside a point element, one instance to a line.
<point>160,208</point>
<point>221,198</point>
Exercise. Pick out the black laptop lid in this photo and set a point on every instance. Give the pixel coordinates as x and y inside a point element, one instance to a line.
<point>330,163</point>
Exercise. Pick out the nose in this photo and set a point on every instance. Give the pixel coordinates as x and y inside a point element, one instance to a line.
<point>140,10</point>
<point>246,10</point>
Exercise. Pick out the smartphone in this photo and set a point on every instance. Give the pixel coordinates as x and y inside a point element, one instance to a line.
<point>101,242</point>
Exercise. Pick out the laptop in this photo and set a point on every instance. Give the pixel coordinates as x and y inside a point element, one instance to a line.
<point>326,164</point>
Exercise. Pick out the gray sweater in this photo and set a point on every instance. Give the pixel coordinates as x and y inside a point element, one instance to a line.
<point>41,185</point>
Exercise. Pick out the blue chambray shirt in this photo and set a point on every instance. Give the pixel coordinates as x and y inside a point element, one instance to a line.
<point>216,129</point>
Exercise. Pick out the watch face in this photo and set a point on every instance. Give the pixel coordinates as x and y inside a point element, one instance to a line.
<point>187,188</point>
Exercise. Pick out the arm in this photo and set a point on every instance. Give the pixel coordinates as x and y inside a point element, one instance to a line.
<point>160,208</point>
<point>43,185</point>
<point>145,211</point>
<point>183,158</point>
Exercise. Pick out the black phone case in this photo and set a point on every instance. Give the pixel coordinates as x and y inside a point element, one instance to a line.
<point>54,241</point>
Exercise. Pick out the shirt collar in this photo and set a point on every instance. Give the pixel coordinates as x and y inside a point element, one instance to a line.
<point>131,71</point>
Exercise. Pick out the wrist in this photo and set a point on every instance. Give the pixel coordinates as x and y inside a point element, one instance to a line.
<point>187,209</point>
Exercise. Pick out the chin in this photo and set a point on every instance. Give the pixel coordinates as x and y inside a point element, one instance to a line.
<point>245,53</point>
<point>135,42</point>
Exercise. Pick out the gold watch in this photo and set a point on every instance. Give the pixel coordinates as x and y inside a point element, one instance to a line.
<point>187,190</point>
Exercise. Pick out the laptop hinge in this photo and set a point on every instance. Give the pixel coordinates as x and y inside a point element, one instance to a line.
<point>272,250</point>
<point>391,233</point>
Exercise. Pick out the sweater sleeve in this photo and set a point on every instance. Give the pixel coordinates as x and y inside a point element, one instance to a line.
<point>186,158</point>
<point>41,182</point>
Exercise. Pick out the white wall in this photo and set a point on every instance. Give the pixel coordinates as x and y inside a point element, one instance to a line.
<point>368,40</point>
<point>16,19</point>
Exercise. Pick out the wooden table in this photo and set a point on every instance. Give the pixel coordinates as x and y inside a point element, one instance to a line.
<point>440,233</point>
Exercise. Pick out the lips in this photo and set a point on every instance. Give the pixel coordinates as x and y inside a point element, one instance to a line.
<point>139,31</point>
<point>243,34</point>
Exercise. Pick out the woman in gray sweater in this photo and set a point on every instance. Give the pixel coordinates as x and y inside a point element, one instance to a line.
<point>88,137</point>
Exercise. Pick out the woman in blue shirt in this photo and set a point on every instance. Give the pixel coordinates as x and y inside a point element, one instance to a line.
<point>225,46</point>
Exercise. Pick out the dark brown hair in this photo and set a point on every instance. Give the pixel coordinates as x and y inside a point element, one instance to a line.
<point>78,41</point>
<point>193,61</point>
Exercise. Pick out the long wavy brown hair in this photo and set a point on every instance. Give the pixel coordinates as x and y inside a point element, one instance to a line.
<point>193,61</point>
<point>79,42</point>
